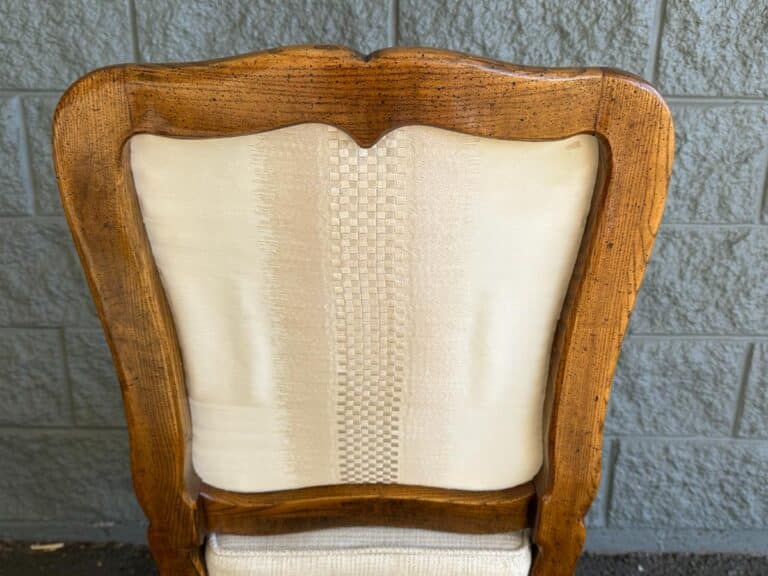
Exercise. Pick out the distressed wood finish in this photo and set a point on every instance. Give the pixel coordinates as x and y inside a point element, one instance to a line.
<point>367,505</point>
<point>366,97</point>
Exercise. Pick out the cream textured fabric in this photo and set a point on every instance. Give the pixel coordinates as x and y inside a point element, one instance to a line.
<point>370,552</point>
<point>365,315</point>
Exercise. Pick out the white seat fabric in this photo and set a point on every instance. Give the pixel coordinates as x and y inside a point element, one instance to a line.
<point>370,552</point>
<point>353,315</point>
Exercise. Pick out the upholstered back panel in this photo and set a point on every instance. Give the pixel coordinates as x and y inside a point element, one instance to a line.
<point>356,315</point>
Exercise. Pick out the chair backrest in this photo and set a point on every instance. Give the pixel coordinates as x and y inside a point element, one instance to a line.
<point>363,291</point>
<point>353,315</point>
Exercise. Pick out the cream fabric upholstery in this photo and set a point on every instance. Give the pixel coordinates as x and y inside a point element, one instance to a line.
<point>370,552</point>
<point>365,315</point>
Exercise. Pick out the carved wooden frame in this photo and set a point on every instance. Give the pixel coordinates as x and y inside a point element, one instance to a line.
<point>366,97</point>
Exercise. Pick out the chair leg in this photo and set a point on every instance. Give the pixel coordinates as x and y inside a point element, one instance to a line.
<point>558,543</point>
<point>175,561</point>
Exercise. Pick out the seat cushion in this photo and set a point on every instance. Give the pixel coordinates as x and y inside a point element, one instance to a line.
<point>370,552</point>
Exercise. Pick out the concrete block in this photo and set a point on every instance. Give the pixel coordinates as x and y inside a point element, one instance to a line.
<point>38,113</point>
<point>50,44</point>
<point>198,30</point>
<point>33,383</point>
<point>714,48</point>
<point>533,32</point>
<point>82,476</point>
<point>95,389</point>
<point>754,419</point>
<point>14,192</point>
<point>705,281</point>
<point>697,483</point>
<point>720,163</point>
<point>676,388</point>
<point>41,282</point>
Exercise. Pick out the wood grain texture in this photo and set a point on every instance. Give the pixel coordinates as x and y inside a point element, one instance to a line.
<point>366,97</point>
<point>367,505</point>
<point>635,127</point>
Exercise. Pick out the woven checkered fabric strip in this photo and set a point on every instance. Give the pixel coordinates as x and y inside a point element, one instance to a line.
<point>370,284</point>
<point>377,315</point>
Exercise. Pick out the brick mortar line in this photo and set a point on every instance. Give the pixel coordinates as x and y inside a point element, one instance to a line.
<point>104,527</point>
<point>652,69</point>
<point>75,522</point>
<point>25,161</point>
<point>745,338</point>
<point>713,225</point>
<point>762,208</point>
<point>719,99</point>
<point>35,217</point>
<point>613,456</point>
<point>11,330</point>
<point>704,530</point>
<point>67,376</point>
<point>741,399</point>
<point>31,91</point>
<point>75,530</point>
<point>673,540</point>
<point>61,430</point>
<point>393,30</point>
<point>705,225</point>
<point>49,327</point>
<point>133,23</point>
<point>725,440</point>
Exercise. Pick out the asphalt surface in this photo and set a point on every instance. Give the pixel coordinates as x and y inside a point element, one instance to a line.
<point>25,559</point>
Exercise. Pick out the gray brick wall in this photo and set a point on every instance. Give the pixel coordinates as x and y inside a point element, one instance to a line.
<point>687,433</point>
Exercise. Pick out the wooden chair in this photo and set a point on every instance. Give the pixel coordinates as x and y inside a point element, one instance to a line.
<point>396,300</point>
